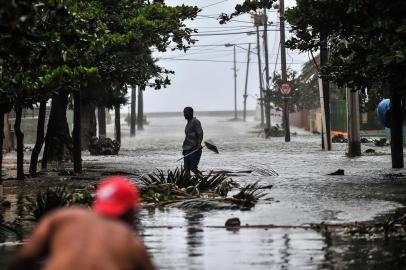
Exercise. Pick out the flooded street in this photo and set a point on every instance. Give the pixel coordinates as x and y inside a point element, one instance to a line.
<point>302,193</point>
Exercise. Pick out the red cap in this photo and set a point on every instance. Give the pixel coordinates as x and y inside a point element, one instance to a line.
<point>115,195</point>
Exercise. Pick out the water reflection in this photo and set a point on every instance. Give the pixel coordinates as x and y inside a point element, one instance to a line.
<point>194,238</point>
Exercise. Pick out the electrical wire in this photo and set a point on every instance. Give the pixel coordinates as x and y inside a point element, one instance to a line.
<point>232,33</point>
<point>214,61</point>
<point>213,4</point>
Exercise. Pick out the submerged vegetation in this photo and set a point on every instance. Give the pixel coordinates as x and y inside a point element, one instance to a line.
<point>215,183</point>
<point>54,198</point>
<point>204,192</point>
<point>172,188</point>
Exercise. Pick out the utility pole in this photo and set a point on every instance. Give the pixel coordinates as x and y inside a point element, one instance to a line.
<point>246,81</point>
<point>353,123</point>
<point>261,98</point>
<point>325,91</point>
<point>283,66</point>
<point>140,119</point>
<point>235,79</point>
<point>267,91</point>
<point>235,85</point>
<point>132,116</point>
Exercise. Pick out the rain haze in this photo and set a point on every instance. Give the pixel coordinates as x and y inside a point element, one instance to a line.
<point>204,74</point>
<point>315,181</point>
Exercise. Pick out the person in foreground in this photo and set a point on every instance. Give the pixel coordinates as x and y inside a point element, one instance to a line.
<point>101,238</point>
<point>192,145</point>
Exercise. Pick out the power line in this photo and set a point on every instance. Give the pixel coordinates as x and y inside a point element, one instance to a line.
<point>213,4</point>
<point>214,61</point>
<point>232,33</point>
<point>224,27</point>
<point>222,30</point>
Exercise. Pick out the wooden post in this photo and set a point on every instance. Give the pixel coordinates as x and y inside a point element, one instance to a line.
<point>286,124</point>
<point>133,116</point>
<point>353,123</point>
<point>101,118</point>
<point>20,143</point>
<point>117,123</point>
<point>326,92</point>
<point>396,114</point>
<point>246,82</point>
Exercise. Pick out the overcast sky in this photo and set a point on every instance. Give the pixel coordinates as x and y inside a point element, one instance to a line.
<point>203,76</point>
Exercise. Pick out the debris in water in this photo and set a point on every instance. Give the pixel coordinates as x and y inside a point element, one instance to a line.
<point>339,138</point>
<point>233,222</point>
<point>338,172</point>
<point>370,151</point>
<point>381,142</point>
<point>103,146</point>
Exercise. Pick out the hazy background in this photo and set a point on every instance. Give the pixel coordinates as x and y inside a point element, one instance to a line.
<point>203,75</point>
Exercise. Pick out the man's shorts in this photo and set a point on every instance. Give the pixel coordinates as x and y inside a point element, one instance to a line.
<point>191,162</point>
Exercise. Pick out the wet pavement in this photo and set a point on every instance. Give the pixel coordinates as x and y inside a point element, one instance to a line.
<point>303,193</point>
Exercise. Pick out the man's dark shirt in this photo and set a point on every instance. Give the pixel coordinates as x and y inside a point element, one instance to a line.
<point>194,135</point>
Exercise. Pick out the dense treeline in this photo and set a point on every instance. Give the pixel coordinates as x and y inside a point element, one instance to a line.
<point>366,42</point>
<point>80,53</point>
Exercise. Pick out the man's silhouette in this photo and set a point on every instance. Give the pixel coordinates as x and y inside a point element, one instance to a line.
<point>193,142</point>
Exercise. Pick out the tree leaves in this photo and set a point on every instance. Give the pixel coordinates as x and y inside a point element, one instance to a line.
<point>367,40</point>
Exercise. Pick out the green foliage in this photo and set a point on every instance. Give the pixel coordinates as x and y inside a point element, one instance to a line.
<point>6,230</point>
<point>82,197</point>
<point>217,183</point>
<point>94,46</point>
<point>367,40</point>
<point>247,6</point>
<point>54,198</point>
<point>47,201</point>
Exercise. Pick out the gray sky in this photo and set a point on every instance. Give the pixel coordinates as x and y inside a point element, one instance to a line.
<point>207,85</point>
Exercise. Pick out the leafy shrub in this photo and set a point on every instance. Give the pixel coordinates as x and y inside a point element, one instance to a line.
<point>54,198</point>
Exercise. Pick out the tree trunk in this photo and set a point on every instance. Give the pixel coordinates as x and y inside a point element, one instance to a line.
<point>1,141</point>
<point>77,138</point>
<point>58,142</point>
<point>20,143</point>
<point>396,131</point>
<point>40,138</point>
<point>101,117</point>
<point>140,119</point>
<point>117,123</point>
<point>133,116</point>
<point>88,123</point>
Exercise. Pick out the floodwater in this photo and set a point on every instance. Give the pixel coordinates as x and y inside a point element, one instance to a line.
<point>303,193</point>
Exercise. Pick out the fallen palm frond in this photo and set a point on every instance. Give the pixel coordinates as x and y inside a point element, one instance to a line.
<point>177,189</point>
<point>251,192</point>
<point>217,183</point>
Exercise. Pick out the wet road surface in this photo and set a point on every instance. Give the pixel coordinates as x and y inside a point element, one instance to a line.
<point>302,193</point>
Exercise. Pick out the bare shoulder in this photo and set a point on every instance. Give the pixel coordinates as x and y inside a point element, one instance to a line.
<point>142,258</point>
<point>68,212</point>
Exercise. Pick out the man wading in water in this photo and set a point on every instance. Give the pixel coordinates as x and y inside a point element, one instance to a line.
<point>80,239</point>
<point>193,141</point>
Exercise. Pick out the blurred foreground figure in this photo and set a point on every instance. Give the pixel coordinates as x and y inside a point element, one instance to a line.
<point>76,238</point>
<point>192,145</point>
